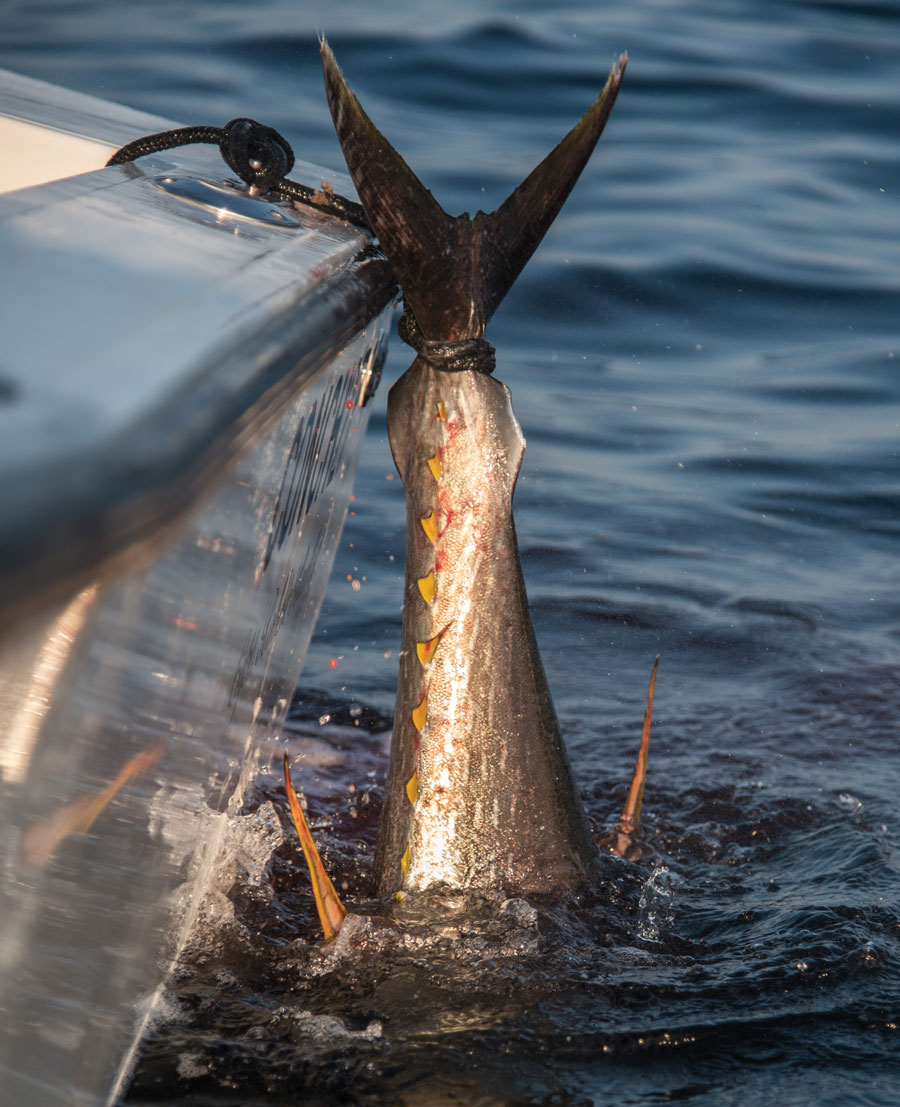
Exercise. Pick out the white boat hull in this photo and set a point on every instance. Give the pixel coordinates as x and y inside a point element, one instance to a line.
<point>178,450</point>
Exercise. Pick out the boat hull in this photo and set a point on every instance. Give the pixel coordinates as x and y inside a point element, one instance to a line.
<point>176,463</point>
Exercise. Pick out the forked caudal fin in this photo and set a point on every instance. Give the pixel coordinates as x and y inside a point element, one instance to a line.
<point>454,271</point>
<point>480,792</point>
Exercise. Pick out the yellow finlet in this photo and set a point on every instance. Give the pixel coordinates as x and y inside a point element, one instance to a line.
<point>420,714</point>
<point>412,787</point>
<point>404,861</point>
<point>434,464</point>
<point>328,904</point>
<point>442,412</point>
<point>425,650</point>
<point>426,587</point>
<point>429,525</point>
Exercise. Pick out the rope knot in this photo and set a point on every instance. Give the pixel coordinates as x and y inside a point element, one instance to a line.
<point>471,354</point>
<point>259,155</point>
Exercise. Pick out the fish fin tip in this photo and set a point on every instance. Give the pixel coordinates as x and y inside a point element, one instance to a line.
<point>513,232</point>
<point>623,841</point>
<point>330,910</point>
<point>410,224</point>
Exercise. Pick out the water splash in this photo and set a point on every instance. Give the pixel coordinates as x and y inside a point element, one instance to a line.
<point>656,907</point>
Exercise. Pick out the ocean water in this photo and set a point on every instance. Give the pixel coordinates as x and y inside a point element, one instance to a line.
<point>704,356</point>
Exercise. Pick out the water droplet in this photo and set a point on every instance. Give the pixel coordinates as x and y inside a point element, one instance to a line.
<point>656,907</point>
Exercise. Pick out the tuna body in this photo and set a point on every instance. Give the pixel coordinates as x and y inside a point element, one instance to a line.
<point>480,792</point>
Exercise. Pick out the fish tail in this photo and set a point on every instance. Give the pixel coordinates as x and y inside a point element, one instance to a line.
<point>454,271</point>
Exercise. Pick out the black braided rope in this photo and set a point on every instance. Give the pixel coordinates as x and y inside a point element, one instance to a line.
<point>259,155</point>
<point>262,158</point>
<point>470,355</point>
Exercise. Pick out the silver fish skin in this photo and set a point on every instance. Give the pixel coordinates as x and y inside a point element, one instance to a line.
<point>480,792</point>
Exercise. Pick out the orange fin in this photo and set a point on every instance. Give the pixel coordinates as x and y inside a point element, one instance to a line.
<point>331,911</point>
<point>42,838</point>
<point>630,820</point>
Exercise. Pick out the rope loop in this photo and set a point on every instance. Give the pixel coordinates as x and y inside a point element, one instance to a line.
<point>260,156</point>
<point>469,355</point>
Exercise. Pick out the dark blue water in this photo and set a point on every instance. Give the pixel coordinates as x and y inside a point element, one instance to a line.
<point>704,357</point>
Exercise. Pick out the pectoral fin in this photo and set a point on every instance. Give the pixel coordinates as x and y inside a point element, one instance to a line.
<point>623,841</point>
<point>331,911</point>
<point>42,838</point>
